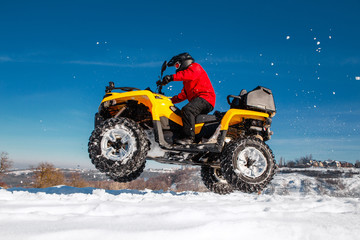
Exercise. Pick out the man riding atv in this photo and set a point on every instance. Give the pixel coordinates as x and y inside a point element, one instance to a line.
<point>197,90</point>
<point>134,125</point>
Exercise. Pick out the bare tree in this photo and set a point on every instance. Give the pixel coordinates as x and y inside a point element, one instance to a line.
<point>77,181</point>
<point>5,163</point>
<point>282,162</point>
<point>290,164</point>
<point>46,175</point>
<point>305,161</point>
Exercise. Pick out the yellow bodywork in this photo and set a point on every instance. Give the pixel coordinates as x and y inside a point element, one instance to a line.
<point>236,116</point>
<point>159,106</point>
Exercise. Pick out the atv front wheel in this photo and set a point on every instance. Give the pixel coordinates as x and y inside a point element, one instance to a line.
<point>215,181</point>
<point>248,164</point>
<point>118,147</point>
<point>128,178</point>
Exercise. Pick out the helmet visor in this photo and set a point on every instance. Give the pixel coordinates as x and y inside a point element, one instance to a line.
<point>177,65</point>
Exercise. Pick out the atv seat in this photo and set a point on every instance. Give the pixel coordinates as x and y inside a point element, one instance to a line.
<point>203,118</point>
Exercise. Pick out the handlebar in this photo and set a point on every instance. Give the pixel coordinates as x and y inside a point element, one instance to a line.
<point>112,87</point>
<point>126,89</point>
<point>159,89</point>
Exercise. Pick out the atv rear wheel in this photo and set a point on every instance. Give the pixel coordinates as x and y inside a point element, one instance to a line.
<point>118,147</point>
<point>215,181</point>
<point>248,164</point>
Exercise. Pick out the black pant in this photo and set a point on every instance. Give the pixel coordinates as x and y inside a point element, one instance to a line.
<point>190,111</point>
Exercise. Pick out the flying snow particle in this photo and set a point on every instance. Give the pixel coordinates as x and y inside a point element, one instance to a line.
<point>330,37</point>
<point>357,78</point>
<point>314,38</point>
<point>260,54</point>
<point>276,74</point>
<point>319,64</point>
<point>333,93</point>
<point>314,106</point>
<point>287,37</point>
<point>272,64</point>
<point>97,43</point>
<point>318,43</point>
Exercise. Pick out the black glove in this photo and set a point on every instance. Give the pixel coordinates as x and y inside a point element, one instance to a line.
<point>167,79</point>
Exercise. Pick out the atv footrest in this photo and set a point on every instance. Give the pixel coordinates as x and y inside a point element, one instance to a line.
<point>213,147</point>
<point>202,118</point>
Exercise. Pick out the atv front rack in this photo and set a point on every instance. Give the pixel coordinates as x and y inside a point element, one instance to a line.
<point>111,87</point>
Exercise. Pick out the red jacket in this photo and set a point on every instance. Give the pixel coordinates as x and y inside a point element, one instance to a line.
<point>196,84</point>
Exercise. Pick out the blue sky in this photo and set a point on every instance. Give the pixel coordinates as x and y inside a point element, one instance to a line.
<point>57,56</point>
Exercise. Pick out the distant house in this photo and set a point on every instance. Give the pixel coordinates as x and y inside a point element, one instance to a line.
<point>350,165</point>
<point>332,163</point>
<point>346,165</point>
<point>315,163</point>
<point>357,164</point>
<point>308,162</point>
<point>321,164</point>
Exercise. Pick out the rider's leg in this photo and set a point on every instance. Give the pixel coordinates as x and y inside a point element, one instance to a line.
<point>189,112</point>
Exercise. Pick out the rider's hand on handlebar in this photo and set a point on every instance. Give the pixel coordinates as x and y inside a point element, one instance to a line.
<point>167,79</point>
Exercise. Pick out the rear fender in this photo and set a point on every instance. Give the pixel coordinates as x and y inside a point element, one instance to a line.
<point>236,116</point>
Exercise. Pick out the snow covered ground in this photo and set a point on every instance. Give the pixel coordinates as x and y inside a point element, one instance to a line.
<point>84,213</point>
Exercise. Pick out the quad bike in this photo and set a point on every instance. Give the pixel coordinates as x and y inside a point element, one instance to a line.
<point>135,125</point>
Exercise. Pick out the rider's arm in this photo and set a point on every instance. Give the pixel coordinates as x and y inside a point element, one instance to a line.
<point>189,74</point>
<point>179,98</point>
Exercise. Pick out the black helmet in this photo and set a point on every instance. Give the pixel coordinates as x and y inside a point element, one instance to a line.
<point>183,59</point>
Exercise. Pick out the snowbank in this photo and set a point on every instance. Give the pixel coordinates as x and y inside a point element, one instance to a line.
<point>83,213</point>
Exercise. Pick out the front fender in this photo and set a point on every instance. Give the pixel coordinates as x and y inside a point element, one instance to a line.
<point>159,105</point>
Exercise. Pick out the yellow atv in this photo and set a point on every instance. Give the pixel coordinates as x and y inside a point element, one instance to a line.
<point>135,125</point>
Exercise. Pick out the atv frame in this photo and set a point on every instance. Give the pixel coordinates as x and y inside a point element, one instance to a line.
<point>160,109</point>
<point>228,146</point>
